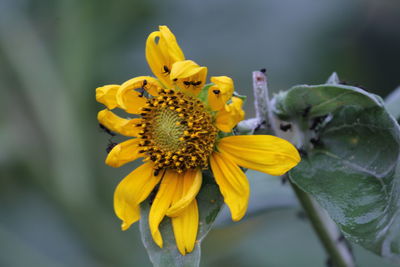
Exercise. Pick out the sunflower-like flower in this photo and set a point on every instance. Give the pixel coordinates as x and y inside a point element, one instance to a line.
<point>176,128</point>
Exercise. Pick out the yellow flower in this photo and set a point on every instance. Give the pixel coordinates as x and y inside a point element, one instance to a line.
<point>176,133</point>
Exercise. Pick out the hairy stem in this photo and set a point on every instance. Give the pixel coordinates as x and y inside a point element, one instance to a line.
<point>327,231</point>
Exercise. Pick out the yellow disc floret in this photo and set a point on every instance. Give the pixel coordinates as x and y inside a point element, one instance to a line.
<point>177,132</point>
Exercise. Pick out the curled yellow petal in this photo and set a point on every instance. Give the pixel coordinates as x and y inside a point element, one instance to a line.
<point>123,153</point>
<point>131,191</point>
<point>106,95</point>
<point>128,98</point>
<point>189,76</point>
<point>265,153</point>
<point>191,183</point>
<point>232,183</point>
<point>161,203</point>
<point>162,50</point>
<point>220,93</point>
<point>185,228</point>
<point>117,124</point>
<point>230,116</point>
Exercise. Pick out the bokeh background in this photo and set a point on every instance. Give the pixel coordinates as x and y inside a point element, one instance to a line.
<point>55,191</point>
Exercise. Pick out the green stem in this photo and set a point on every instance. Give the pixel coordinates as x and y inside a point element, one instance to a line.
<point>323,225</point>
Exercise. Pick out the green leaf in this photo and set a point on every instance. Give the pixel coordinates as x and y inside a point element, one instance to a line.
<point>209,201</point>
<point>353,172</point>
<point>318,100</point>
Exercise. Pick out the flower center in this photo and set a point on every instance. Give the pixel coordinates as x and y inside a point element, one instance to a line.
<point>178,132</point>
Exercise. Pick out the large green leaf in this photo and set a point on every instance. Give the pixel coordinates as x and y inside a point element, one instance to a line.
<point>353,170</point>
<point>209,202</point>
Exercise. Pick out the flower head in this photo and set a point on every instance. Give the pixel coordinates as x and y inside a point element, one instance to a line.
<point>175,130</point>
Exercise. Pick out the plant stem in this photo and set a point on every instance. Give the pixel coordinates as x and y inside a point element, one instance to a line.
<point>327,231</point>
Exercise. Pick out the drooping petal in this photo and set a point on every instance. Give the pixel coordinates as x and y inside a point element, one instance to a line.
<point>131,191</point>
<point>220,93</point>
<point>161,203</point>
<point>230,116</point>
<point>232,183</point>
<point>189,76</point>
<point>162,50</point>
<point>191,183</point>
<point>185,228</point>
<point>117,124</point>
<point>128,98</point>
<point>123,153</point>
<point>265,153</point>
<point>106,95</point>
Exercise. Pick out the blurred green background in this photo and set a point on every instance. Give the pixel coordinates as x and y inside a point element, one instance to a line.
<point>55,191</point>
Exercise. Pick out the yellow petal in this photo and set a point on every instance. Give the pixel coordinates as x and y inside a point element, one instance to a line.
<point>189,76</point>
<point>117,124</point>
<point>169,45</point>
<point>232,183</point>
<point>230,116</point>
<point>220,93</point>
<point>161,203</point>
<point>106,95</point>
<point>264,153</point>
<point>185,228</point>
<point>128,98</point>
<point>131,191</point>
<point>123,153</point>
<point>191,183</point>
<point>162,50</point>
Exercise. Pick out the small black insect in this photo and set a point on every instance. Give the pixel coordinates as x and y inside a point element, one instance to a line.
<point>285,127</point>
<point>105,129</point>
<point>303,153</point>
<point>166,70</point>
<point>195,84</point>
<point>263,70</point>
<point>306,111</point>
<point>110,146</point>
<point>189,83</point>
<point>258,127</point>
<point>216,91</point>
<point>284,179</point>
<point>143,88</point>
<point>317,121</point>
<point>316,141</point>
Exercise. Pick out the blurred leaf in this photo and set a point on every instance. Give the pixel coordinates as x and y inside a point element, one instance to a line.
<point>351,172</point>
<point>392,103</point>
<point>209,202</point>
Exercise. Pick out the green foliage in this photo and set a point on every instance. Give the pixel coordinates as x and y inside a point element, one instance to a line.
<point>351,167</point>
<point>209,201</point>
